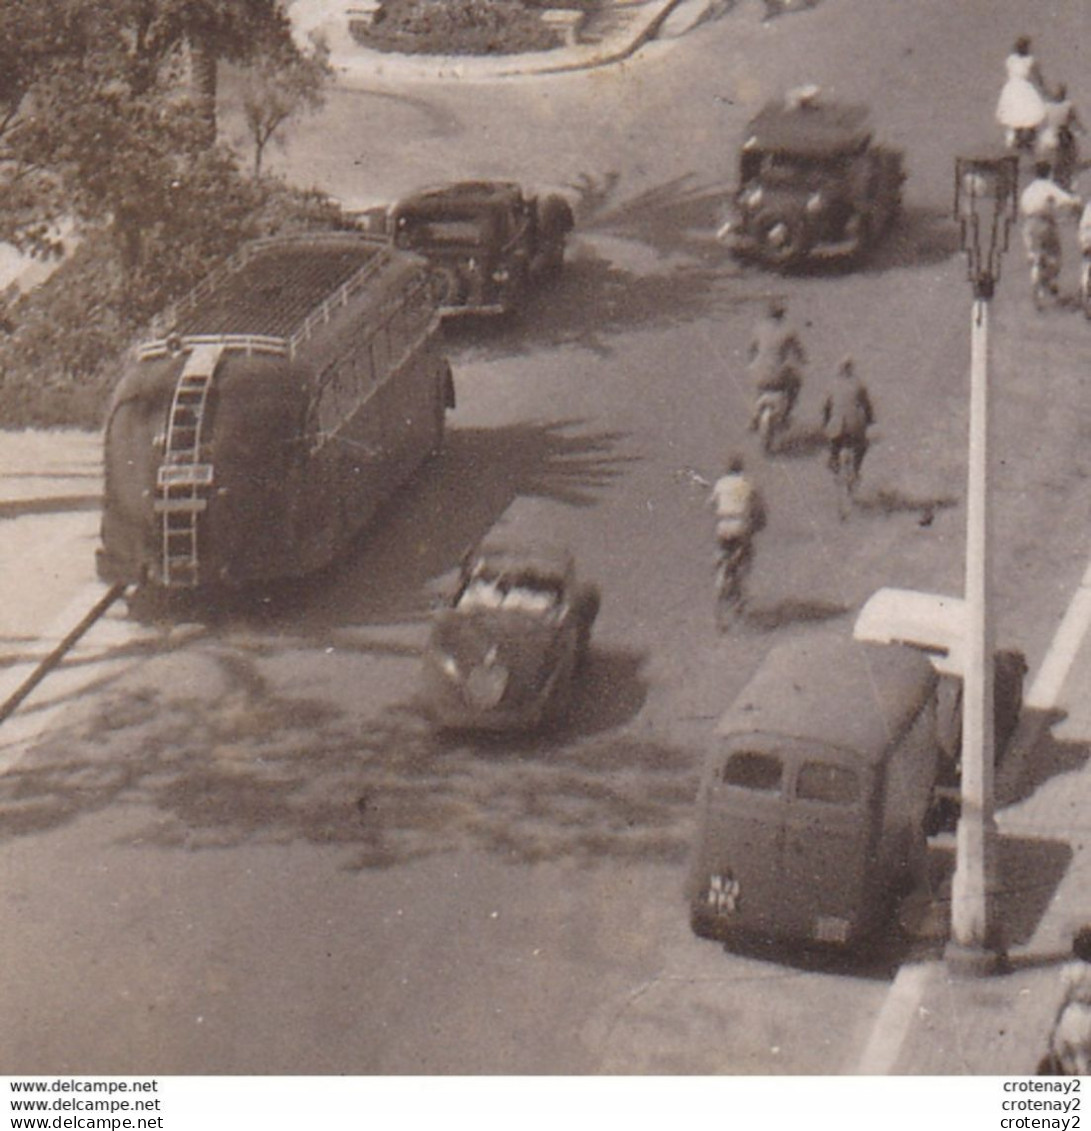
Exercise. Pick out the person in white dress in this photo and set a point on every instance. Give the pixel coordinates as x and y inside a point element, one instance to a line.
<point>1021,109</point>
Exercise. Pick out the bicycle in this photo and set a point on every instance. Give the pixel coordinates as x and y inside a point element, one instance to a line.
<point>732,567</point>
<point>773,413</point>
<point>846,474</point>
<point>1044,272</point>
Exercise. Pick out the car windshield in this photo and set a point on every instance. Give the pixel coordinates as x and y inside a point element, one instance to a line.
<point>430,231</point>
<point>519,592</point>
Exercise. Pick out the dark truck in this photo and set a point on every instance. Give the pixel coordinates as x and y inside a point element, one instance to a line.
<point>812,184</point>
<point>487,241</point>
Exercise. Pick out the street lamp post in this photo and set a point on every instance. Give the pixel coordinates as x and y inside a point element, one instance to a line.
<point>985,207</point>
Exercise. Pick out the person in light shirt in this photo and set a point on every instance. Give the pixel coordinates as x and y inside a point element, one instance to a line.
<point>1041,204</point>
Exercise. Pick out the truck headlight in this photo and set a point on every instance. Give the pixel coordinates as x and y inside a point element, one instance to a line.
<point>753,198</point>
<point>448,665</point>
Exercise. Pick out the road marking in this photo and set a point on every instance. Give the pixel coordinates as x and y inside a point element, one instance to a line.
<point>907,991</point>
<point>891,1026</point>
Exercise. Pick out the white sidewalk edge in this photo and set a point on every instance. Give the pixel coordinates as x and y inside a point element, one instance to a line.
<point>903,1000</point>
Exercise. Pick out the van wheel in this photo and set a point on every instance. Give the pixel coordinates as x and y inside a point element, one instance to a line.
<point>439,428</point>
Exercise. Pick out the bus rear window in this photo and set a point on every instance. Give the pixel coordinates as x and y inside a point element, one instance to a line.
<point>820,781</point>
<point>751,770</point>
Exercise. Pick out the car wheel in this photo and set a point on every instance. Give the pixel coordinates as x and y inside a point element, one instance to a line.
<point>702,921</point>
<point>559,704</point>
<point>439,426</point>
<point>555,221</point>
<point>553,257</point>
<point>587,610</point>
<point>782,239</point>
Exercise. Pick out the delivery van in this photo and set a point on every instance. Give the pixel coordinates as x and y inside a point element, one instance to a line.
<point>812,804</point>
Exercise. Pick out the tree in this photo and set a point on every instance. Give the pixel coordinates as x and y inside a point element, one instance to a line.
<point>37,38</point>
<point>92,126</point>
<point>277,86</point>
<point>212,30</point>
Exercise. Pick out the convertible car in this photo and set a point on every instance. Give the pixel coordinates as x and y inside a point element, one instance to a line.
<point>505,649</point>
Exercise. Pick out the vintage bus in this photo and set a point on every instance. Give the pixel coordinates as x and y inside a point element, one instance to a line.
<point>274,410</point>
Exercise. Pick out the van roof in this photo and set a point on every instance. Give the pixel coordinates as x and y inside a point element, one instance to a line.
<point>835,691</point>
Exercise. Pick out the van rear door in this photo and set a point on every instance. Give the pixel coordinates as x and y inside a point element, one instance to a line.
<point>735,884</point>
<point>827,847</point>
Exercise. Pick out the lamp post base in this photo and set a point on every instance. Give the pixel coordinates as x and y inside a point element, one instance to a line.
<point>972,960</point>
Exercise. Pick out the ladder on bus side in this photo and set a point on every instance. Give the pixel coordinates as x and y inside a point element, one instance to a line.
<point>183,480</point>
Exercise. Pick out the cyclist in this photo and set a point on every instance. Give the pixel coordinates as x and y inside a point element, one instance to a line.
<point>1070,1040</point>
<point>775,358</point>
<point>847,414</point>
<point>1083,235</point>
<point>1057,141</point>
<point>740,514</point>
<point>1040,205</point>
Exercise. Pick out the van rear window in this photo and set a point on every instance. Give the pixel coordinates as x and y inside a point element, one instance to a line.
<point>819,781</point>
<point>752,770</point>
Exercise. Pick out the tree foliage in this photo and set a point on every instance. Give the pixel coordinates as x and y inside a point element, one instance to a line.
<point>277,86</point>
<point>94,121</point>
<point>100,126</point>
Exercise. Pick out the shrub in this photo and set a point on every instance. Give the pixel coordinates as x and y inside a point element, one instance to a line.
<point>455,27</point>
<point>65,341</point>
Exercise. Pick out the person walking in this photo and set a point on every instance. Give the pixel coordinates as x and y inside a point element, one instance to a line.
<point>1021,110</point>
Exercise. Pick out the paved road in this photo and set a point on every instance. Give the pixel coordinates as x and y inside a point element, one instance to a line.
<point>256,855</point>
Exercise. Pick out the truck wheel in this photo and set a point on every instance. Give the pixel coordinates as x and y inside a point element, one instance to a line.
<point>445,286</point>
<point>782,240</point>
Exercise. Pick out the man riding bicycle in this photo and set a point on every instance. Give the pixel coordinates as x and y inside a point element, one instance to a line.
<point>775,358</point>
<point>847,414</point>
<point>1083,235</point>
<point>740,514</point>
<point>1040,204</point>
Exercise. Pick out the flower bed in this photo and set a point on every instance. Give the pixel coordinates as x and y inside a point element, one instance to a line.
<point>456,27</point>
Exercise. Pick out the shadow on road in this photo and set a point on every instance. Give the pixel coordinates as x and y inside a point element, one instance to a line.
<point>1050,757</point>
<point>792,610</point>
<point>394,572</point>
<point>224,758</point>
<point>592,301</point>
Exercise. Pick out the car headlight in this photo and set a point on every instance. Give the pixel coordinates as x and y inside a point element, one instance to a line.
<point>815,203</point>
